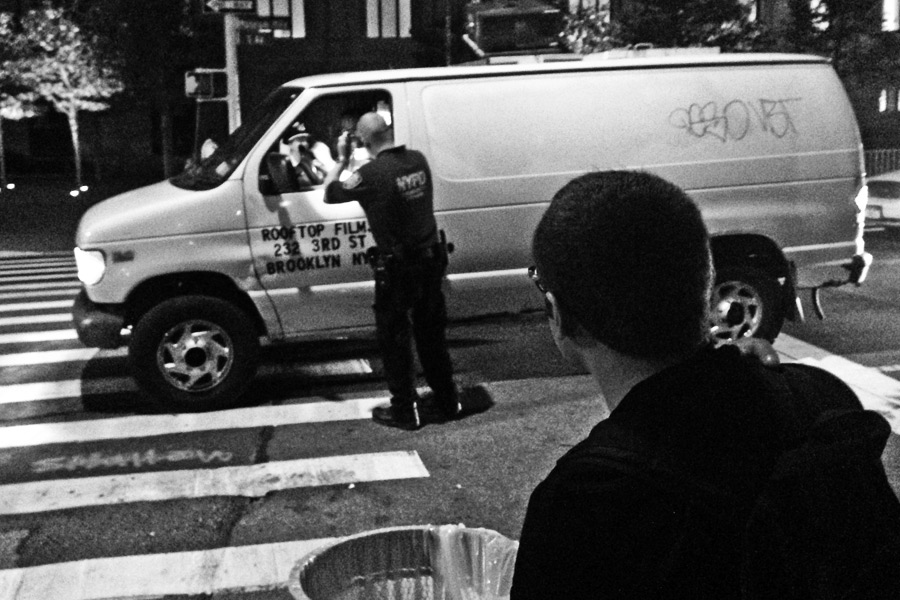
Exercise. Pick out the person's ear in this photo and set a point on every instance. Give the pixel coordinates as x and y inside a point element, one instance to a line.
<point>564,326</point>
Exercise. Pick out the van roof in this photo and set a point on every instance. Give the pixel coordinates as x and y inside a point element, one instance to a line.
<point>560,63</point>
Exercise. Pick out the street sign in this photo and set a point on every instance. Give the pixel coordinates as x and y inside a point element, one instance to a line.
<point>206,84</point>
<point>224,6</point>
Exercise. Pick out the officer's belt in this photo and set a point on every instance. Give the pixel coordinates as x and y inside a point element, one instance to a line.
<point>401,253</point>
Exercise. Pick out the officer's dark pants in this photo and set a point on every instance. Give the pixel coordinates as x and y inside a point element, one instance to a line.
<point>409,304</point>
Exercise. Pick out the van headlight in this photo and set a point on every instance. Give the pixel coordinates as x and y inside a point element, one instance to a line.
<point>91,266</point>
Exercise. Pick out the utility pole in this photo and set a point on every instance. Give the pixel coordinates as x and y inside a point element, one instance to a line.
<point>232,33</point>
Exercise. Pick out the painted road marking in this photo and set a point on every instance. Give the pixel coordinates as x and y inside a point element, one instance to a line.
<point>876,390</point>
<point>34,319</point>
<point>252,481</point>
<point>19,306</point>
<point>34,259</point>
<point>69,388</point>
<point>31,337</point>
<point>67,270</point>
<point>199,573</point>
<point>19,436</point>
<point>39,286</point>
<point>34,277</point>
<point>39,294</point>
<point>58,356</point>
<point>72,388</point>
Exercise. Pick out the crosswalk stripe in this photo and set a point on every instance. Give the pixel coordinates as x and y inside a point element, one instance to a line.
<point>32,277</point>
<point>35,319</point>
<point>20,436</point>
<point>196,573</point>
<point>252,481</point>
<point>69,388</point>
<point>57,356</point>
<point>42,268</point>
<point>56,263</point>
<point>73,285</point>
<point>35,257</point>
<point>31,337</point>
<point>72,388</point>
<point>20,306</point>
<point>38,294</point>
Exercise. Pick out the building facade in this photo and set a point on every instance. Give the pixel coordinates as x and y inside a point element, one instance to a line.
<point>272,41</point>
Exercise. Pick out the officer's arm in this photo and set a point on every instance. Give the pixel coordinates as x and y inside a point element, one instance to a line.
<point>358,187</point>
<point>335,173</point>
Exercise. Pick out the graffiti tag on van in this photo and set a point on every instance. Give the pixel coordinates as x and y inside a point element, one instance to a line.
<point>736,119</point>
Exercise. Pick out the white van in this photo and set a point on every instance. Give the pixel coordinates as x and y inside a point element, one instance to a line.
<point>196,272</point>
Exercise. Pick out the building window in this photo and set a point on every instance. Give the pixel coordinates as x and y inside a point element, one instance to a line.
<point>889,100</point>
<point>286,18</point>
<point>890,15</point>
<point>388,18</point>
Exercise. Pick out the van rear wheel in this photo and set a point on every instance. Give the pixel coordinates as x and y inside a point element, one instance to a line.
<point>194,353</point>
<point>746,302</point>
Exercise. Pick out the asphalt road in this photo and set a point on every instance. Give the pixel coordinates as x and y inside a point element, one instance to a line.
<point>74,424</point>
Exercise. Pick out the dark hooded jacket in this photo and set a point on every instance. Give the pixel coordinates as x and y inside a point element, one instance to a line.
<point>594,530</point>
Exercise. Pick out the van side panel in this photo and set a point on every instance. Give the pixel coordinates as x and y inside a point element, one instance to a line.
<point>763,149</point>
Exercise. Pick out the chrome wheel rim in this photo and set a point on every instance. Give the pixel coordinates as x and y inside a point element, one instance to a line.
<point>195,356</point>
<point>737,311</point>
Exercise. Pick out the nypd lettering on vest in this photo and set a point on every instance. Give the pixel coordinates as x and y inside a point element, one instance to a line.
<point>412,185</point>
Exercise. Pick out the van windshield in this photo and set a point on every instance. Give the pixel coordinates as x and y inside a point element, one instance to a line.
<point>211,171</point>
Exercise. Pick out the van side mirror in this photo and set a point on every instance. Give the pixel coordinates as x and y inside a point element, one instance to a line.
<point>281,178</point>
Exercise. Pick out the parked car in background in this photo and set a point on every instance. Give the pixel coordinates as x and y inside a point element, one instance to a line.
<point>883,209</point>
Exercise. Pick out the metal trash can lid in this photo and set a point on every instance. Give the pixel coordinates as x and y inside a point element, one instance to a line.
<point>418,562</point>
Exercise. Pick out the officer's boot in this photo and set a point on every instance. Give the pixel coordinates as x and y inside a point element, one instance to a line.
<point>403,416</point>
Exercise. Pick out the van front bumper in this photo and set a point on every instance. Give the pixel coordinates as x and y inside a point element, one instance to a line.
<point>97,325</point>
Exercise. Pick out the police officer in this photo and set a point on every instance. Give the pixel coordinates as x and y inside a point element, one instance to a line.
<point>395,191</point>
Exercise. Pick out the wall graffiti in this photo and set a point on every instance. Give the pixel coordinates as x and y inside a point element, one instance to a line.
<point>736,119</point>
<point>152,457</point>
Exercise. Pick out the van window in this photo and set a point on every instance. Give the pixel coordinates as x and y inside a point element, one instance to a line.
<point>310,142</point>
<point>210,172</point>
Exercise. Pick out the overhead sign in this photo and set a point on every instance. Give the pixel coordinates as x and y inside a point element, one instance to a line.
<point>223,6</point>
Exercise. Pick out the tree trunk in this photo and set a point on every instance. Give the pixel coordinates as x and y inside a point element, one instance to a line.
<point>2,158</point>
<point>166,132</point>
<point>72,113</point>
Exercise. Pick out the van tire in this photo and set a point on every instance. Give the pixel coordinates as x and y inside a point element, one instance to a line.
<point>746,302</point>
<point>211,371</point>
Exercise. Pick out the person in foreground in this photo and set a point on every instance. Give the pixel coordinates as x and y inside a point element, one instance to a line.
<point>656,501</point>
<point>395,191</point>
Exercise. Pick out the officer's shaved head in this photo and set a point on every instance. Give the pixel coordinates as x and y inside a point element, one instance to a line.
<point>372,128</point>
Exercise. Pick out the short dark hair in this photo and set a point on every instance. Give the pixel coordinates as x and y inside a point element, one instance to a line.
<point>626,254</point>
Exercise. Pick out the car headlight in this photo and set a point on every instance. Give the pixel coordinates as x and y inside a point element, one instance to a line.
<point>91,266</point>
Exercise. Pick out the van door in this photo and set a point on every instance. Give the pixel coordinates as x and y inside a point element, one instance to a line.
<point>310,257</point>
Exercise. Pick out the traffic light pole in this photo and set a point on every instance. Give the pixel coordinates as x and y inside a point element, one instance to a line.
<point>232,25</point>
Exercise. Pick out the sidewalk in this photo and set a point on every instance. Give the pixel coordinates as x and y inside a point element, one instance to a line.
<point>41,217</point>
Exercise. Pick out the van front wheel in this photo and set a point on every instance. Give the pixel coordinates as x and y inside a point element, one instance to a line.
<point>194,353</point>
<point>746,302</point>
